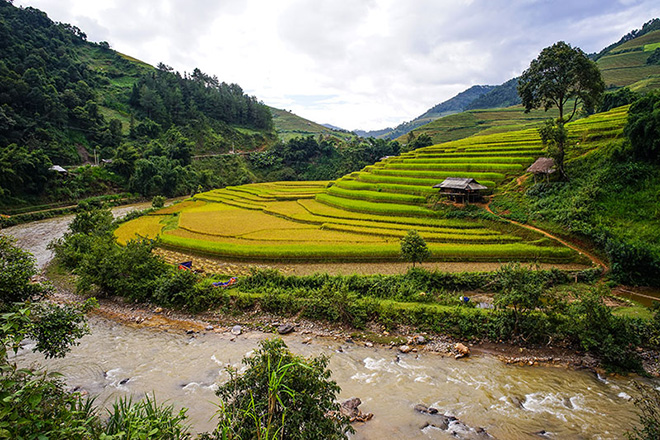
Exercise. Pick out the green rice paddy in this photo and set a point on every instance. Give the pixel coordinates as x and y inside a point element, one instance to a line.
<point>363,216</point>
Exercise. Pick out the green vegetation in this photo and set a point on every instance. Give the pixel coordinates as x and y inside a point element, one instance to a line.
<point>72,102</point>
<point>290,126</point>
<point>414,248</point>
<point>35,403</point>
<point>280,395</point>
<point>611,198</point>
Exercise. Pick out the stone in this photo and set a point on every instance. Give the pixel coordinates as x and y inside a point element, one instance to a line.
<point>405,348</point>
<point>349,408</point>
<point>368,344</point>
<point>285,329</point>
<point>236,330</point>
<point>190,332</point>
<point>462,350</point>
<point>420,340</point>
<point>420,407</point>
<point>208,328</point>
<point>158,310</point>
<point>307,341</point>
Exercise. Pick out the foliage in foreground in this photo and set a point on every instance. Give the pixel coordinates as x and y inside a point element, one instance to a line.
<point>280,396</point>
<point>648,405</point>
<point>34,403</point>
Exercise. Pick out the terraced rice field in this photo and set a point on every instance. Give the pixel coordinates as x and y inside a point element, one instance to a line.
<point>362,216</point>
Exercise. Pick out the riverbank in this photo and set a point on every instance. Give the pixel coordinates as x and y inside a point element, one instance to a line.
<point>405,339</point>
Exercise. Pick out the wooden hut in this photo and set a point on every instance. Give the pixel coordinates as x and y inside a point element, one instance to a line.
<point>543,166</point>
<point>461,189</point>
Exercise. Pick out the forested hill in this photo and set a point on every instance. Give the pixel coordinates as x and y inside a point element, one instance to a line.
<point>63,99</point>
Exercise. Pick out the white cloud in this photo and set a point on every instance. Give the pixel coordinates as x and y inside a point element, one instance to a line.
<point>353,63</point>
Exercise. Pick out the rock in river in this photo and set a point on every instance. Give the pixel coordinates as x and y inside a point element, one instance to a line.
<point>285,329</point>
<point>236,330</point>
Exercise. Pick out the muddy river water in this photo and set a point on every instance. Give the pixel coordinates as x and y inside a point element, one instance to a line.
<point>509,401</point>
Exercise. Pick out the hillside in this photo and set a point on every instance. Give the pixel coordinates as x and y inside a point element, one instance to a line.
<point>626,64</point>
<point>288,125</point>
<point>453,105</point>
<point>67,101</point>
<point>623,64</point>
<point>361,216</point>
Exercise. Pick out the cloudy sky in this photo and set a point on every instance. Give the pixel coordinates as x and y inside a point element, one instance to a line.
<point>357,64</point>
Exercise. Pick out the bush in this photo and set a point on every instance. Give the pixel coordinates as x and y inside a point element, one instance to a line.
<point>158,202</point>
<point>612,338</point>
<point>145,419</point>
<point>130,271</point>
<point>280,395</point>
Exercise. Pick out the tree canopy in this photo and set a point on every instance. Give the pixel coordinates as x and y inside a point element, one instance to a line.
<point>643,128</point>
<point>414,248</point>
<point>561,73</point>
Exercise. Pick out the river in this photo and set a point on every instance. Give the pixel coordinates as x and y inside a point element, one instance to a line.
<point>510,402</point>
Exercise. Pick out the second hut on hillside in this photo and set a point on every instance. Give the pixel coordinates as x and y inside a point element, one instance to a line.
<point>461,189</point>
<point>543,166</point>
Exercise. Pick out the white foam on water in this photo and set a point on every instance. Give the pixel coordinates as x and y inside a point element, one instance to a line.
<point>364,377</point>
<point>624,395</point>
<point>424,378</point>
<point>555,404</point>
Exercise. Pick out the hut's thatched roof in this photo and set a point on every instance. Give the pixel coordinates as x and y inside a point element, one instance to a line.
<point>462,183</point>
<point>543,165</point>
<point>58,169</point>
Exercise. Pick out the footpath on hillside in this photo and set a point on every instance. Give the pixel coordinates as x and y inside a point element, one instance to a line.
<point>594,258</point>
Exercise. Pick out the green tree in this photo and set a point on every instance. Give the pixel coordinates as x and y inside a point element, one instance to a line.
<point>643,128</point>
<point>554,136</point>
<point>519,288</point>
<point>280,396</point>
<point>561,73</point>
<point>414,248</point>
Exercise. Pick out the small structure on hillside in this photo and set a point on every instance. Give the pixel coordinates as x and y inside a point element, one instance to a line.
<point>461,189</point>
<point>543,166</point>
<point>58,169</point>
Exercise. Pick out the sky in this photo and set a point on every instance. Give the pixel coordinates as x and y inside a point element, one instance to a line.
<point>356,64</point>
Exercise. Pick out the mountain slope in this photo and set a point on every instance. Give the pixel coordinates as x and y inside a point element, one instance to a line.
<point>454,105</point>
<point>289,125</point>
<point>67,101</point>
<point>623,64</point>
<point>504,95</point>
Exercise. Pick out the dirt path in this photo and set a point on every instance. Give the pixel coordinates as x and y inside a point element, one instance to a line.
<point>594,259</point>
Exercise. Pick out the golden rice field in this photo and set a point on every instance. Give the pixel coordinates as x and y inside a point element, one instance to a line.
<point>361,217</point>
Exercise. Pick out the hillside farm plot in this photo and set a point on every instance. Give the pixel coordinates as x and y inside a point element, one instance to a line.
<point>308,229</point>
<point>362,216</point>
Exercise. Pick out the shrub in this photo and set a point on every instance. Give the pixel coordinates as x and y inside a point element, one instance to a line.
<point>612,338</point>
<point>145,419</point>
<point>280,395</point>
<point>158,202</point>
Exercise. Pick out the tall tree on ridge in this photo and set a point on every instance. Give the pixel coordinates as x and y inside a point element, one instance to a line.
<point>559,74</point>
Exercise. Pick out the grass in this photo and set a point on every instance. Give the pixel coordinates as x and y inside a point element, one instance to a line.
<point>651,47</point>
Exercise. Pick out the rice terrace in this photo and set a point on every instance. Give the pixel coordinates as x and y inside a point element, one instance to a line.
<point>363,216</point>
<point>200,262</point>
